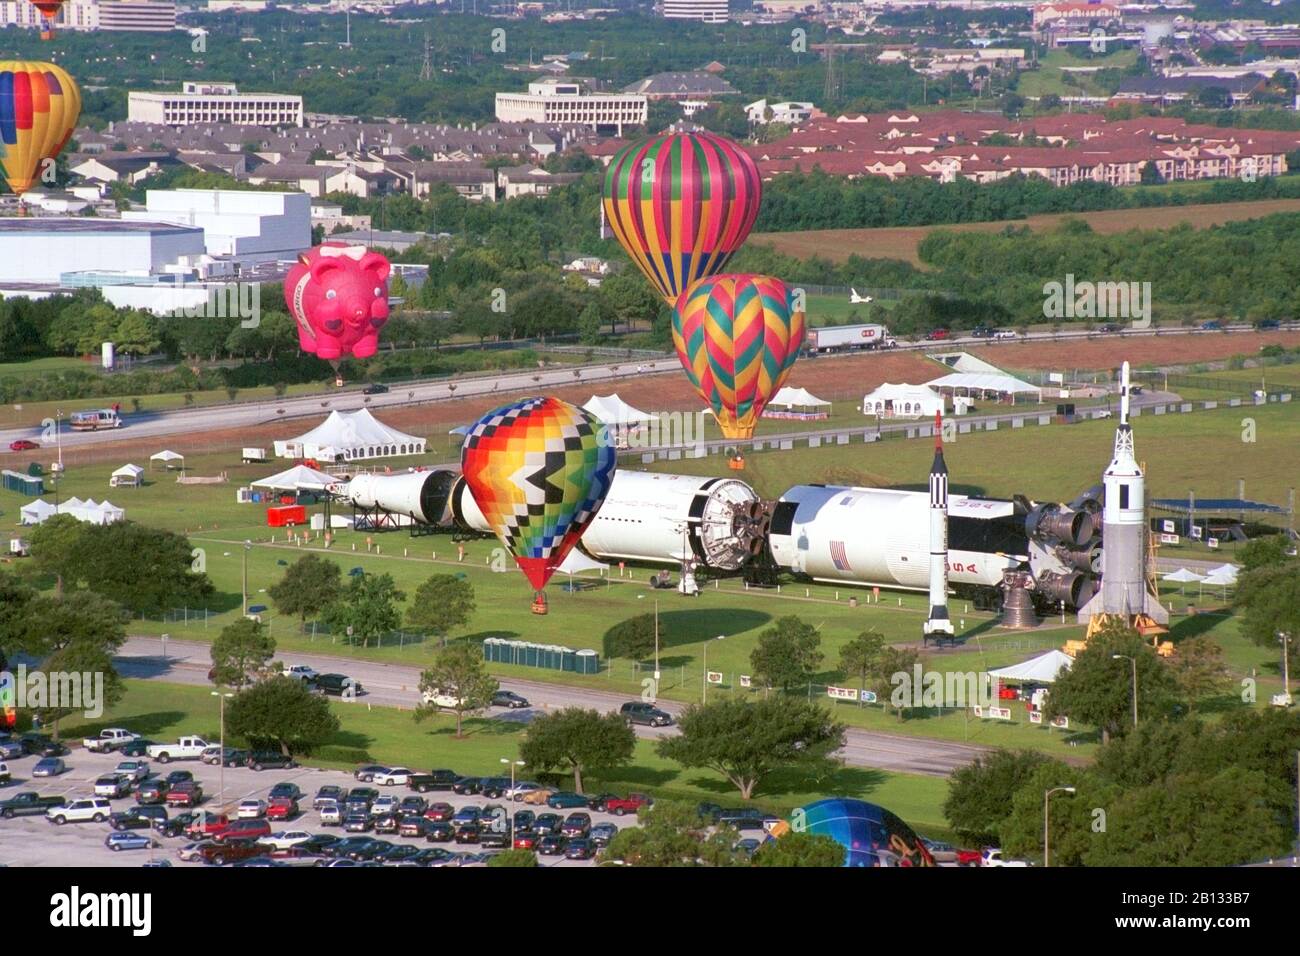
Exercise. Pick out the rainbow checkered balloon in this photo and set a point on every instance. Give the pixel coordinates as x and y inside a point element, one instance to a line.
<point>681,204</point>
<point>737,337</point>
<point>539,471</point>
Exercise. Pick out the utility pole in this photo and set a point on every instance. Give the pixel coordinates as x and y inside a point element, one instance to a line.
<point>426,70</point>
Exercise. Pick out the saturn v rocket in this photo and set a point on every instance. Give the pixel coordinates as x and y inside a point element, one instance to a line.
<point>1124,592</point>
<point>937,623</point>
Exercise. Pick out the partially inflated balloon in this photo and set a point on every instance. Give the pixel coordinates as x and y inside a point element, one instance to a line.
<point>539,471</point>
<point>737,337</point>
<point>39,106</point>
<point>681,204</point>
<point>49,10</point>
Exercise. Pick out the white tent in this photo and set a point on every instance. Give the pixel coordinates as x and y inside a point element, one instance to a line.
<point>612,410</point>
<point>1224,576</point>
<point>350,436</point>
<point>903,401</point>
<point>790,397</point>
<point>576,562</point>
<point>1043,669</point>
<point>1182,576</point>
<point>126,476</point>
<point>90,510</point>
<point>297,478</point>
<point>104,512</point>
<point>983,382</point>
<point>167,457</point>
<point>34,512</point>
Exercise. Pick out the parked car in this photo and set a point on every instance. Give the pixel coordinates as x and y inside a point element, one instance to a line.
<point>152,790</point>
<point>136,748</point>
<point>193,850</point>
<point>508,698</point>
<point>602,833</point>
<point>643,712</point>
<point>600,800</point>
<point>329,794</point>
<point>439,832</point>
<point>466,815</point>
<point>412,825</point>
<point>548,823</point>
<point>383,805</point>
<point>178,825</point>
<point>576,825</point>
<point>551,845</point>
<point>992,856</point>
<point>354,822</point>
<point>412,805</point>
<point>494,788</point>
<point>113,786</point>
<point>95,810</point>
<point>388,823</point>
<point>283,839</point>
<point>523,819</point>
<point>330,814</point>
<point>566,800</point>
<point>251,809</point>
<point>11,748</point>
<point>629,804</point>
<point>129,841</point>
<point>185,793</point>
<point>229,756</point>
<point>433,780</point>
<point>208,825</point>
<point>393,777</point>
<point>938,335</point>
<point>579,848</point>
<point>134,770</point>
<point>42,745</point>
<point>243,830</point>
<point>526,839</point>
<point>499,838</point>
<point>942,852</point>
<point>439,812</point>
<point>231,851</point>
<point>467,785</point>
<point>6,777</point>
<point>337,685</point>
<point>282,808</point>
<point>468,832</point>
<point>374,388</point>
<point>362,797</point>
<point>302,672</point>
<point>269,760</point>
<point>138,818</point>
<point>522,788</point>
<point>23,444</point>
<point>31,804</point>
<point>367,773</point>
<point>49,767</point>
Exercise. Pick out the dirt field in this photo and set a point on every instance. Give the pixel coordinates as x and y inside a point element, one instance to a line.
<point>1108,351</point>
<point>902,242</point>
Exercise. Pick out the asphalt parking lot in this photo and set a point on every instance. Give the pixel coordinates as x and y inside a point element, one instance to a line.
<point>33,841</point>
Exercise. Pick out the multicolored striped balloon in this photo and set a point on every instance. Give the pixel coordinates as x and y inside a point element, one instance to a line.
<point>681,204</point>
<point>737,337</point>
<point>539,470</point>
<point>39,106</point>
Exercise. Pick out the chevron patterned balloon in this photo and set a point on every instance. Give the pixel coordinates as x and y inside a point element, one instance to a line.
<point>539,471</point>
<point>681,204</point>
<point>737,337</point>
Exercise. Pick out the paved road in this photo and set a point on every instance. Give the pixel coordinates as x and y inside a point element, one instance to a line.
<point>395,685</point>
<point>194,420</point>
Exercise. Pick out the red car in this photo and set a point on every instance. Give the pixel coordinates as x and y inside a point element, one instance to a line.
<point>282,808</point>
<point>243,830</point>
<point>526,840</point>
<point>23,444</point>
<point>937,335</point>
<point>209,825</point>
<point>969,857</point>
<point>629,804</point>
<point>439,812</point>
<point>185,793</point>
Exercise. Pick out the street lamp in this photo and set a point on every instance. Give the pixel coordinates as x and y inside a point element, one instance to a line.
<point>1285,638</point>
<point>248,546</point>
<point>513,764</point>
<point>1133,661</point>
<point>221,698</point>
<point>656,647</point>
<point>1047,797</point>
<point>704,697</point>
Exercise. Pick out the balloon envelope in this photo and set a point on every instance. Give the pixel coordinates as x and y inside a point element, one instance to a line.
<point>539,470</point>
<point>338,296</point>
<point>681,204</point>
<point>737,337</point>
<point>39,106</point>
<point>870,834</point>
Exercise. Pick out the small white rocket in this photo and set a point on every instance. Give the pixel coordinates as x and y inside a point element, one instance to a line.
<point>937,623</point>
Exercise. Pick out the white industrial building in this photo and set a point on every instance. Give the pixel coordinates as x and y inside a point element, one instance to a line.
<point>114,16</point>
<point>202,103</point>
<point>245,225</point>
<point>706,11</point>
<point>563,101</point>
<point>42,250</point>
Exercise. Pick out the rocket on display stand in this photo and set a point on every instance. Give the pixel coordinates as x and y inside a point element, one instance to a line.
<point>937,623</point>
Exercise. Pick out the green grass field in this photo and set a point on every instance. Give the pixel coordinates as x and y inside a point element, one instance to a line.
<point>163,711</point>
<point>1050,77</point>
<point>824,310</point>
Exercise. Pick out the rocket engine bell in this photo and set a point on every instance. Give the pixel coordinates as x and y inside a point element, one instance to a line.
<point>422,496</point>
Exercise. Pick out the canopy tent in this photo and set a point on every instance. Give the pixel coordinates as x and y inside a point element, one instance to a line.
<point>1043,669</point>
<point>576,562</point>
<point>297,478</point>
<point>985,382</point>
<point>1222,577</point>
<point>790,397</point>
<point>1182,576</point>
<point>168,458</point>
<point>94,512</point>
<point>34,512</point>
<point>350,436</point>
<point>128,476</point>
<point>612,410</point>
<point>903,401</point>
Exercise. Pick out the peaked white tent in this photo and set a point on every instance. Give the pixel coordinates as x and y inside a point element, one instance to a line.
<point>576,562</point>
<point>1182,576</point>
<point>1043,669</point>
<point>350,436</point>
<point>168,458</point>
<point>297,478</point>
<point>128,476</point>
<point>90,510</point>
<point>790,397</point>
<point>34,512</point>
<point>612,410</point>
<point>985,382</point>
<point>903,401</point>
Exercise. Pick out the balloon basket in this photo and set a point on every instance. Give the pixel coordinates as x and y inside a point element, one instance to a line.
<point>539,603</point>
<point>47,34</point>
<point>737,463</point>
<point>338,381</point>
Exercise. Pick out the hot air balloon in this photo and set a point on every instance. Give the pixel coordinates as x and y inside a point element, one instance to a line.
<point>338,294</point>
<point>681,204</point>
<point>39,106</point>
<point>49,10</point>
<point>539,470</point>
<point>870,834</point>
<point>737,337</point>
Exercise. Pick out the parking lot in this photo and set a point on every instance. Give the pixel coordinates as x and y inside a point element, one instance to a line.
<point>33,841</point>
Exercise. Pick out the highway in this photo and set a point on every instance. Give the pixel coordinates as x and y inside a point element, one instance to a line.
<point>396,685</point>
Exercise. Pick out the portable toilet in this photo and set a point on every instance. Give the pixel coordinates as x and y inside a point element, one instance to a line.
<point>587,662</point>
<point>568,659</point>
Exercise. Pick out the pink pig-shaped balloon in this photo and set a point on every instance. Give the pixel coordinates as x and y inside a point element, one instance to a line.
<point>339,296</point>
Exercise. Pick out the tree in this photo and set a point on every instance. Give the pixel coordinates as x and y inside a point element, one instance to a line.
<point>309,584</point>
<point>747,741</point>
<point>978,803</point>
<point>16,599</point>
<point>241,651</point>
<point>889,662</point>
<point>77,678</point>
<point>1151,174</point>
<point>1199,669</point>
<point>633,638</point>
<point>800,849</point>
<point>1268,597</point>
<point>1098,689</point>
<point>458,673</point>
<point>368,606</point>
<point>859,656</point>
<point>578,740</point>
<point>514,858</point>
<point>58,547</point>
<point>443,602</point>
<point>281,712</point>
<point>158,576</point>
<point>137,333</point>
<point>82,617</point>
<point>589,325</point>
<point>672,833</point>
<point>787,653</point>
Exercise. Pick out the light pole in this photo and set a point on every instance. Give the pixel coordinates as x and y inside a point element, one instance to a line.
<point>513,764</point>
<point>656,647</point>
<point>248,546</point>
<point>704,696</point>
<point>1133,661</point>
<point>1047,797</point>
<point>1285,639</point>
<point>221,765</point>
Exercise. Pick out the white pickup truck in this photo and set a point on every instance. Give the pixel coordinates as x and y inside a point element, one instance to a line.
<point>187,748</point>
<point>114,738</point>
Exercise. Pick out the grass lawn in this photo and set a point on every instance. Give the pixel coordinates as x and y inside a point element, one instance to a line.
<point>824,310</point>
<point>1051,78</point>
<point>163,711</point>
